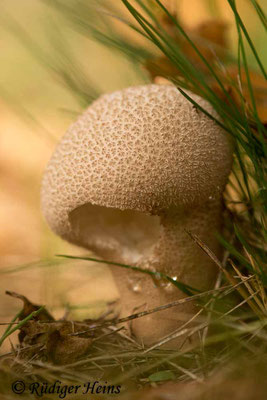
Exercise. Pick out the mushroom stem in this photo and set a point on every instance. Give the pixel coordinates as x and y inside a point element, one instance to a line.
<point>187,264</point>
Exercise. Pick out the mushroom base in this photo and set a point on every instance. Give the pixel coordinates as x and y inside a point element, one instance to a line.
<point>141,293</point>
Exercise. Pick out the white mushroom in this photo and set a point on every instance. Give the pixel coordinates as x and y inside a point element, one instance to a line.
<point>137,170</point>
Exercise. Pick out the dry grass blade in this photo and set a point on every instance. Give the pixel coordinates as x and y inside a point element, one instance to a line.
<point>241,304</point>
<point>259,283</point>
<point>173,304</point>
<point>229,277</point>
<point>249,288</point>
<point>186,372</point>
<point>207,250</point>
<point>216,286</point>
<point>173,335</point>
<point>107,334</point>
<point>245,295</point>
<point>156,309</point>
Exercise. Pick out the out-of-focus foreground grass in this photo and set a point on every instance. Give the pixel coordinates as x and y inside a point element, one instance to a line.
<point>35,112</point>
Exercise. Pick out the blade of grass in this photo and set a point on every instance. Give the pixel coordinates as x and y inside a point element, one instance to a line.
<point>183,287</point>
<point>18,326</point>
<point>242,26</point>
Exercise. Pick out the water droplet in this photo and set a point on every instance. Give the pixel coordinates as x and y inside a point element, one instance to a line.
<point>136,288</point>
<point>174,278</point>
<point>134,285</point>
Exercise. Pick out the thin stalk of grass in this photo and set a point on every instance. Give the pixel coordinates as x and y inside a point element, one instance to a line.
<point>179,285</point>
<point>221,106</point>
<point>20,324</point>
<point>260,13</point>
<point>198,52</point>
<point>242,26</point>
<point>10,325</point>
<point>213,339</point>
<point>250,290</point>
<point>159,308</point>
<point>259,281</point>
<point>227,274</point>
<point>252,97</point>
<point>183,63</point>
<point>182,330</point>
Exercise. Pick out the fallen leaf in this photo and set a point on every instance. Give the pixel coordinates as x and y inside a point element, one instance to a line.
<point>64,349</point>
<point>259,87</point>
<point>210,38</point>
<point>60,342</point>
<point>29,307</point>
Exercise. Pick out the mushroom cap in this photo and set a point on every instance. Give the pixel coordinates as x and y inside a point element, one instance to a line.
<point>144,148</point>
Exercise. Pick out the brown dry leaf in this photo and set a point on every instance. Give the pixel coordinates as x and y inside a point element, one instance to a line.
<point>64,349</point>
<point>51,340</point>
<point>209,37</point>
<point>29,307</point>
<point>54,341</point>
<point>214,31</point>
<point>236,86</point>
<point>160,66</point>
<point>259,85</point>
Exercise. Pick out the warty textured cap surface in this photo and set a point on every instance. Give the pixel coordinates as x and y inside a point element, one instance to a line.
<point>144,148</point>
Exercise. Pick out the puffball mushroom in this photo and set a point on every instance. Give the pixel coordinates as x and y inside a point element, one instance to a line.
<point>140,168</point>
